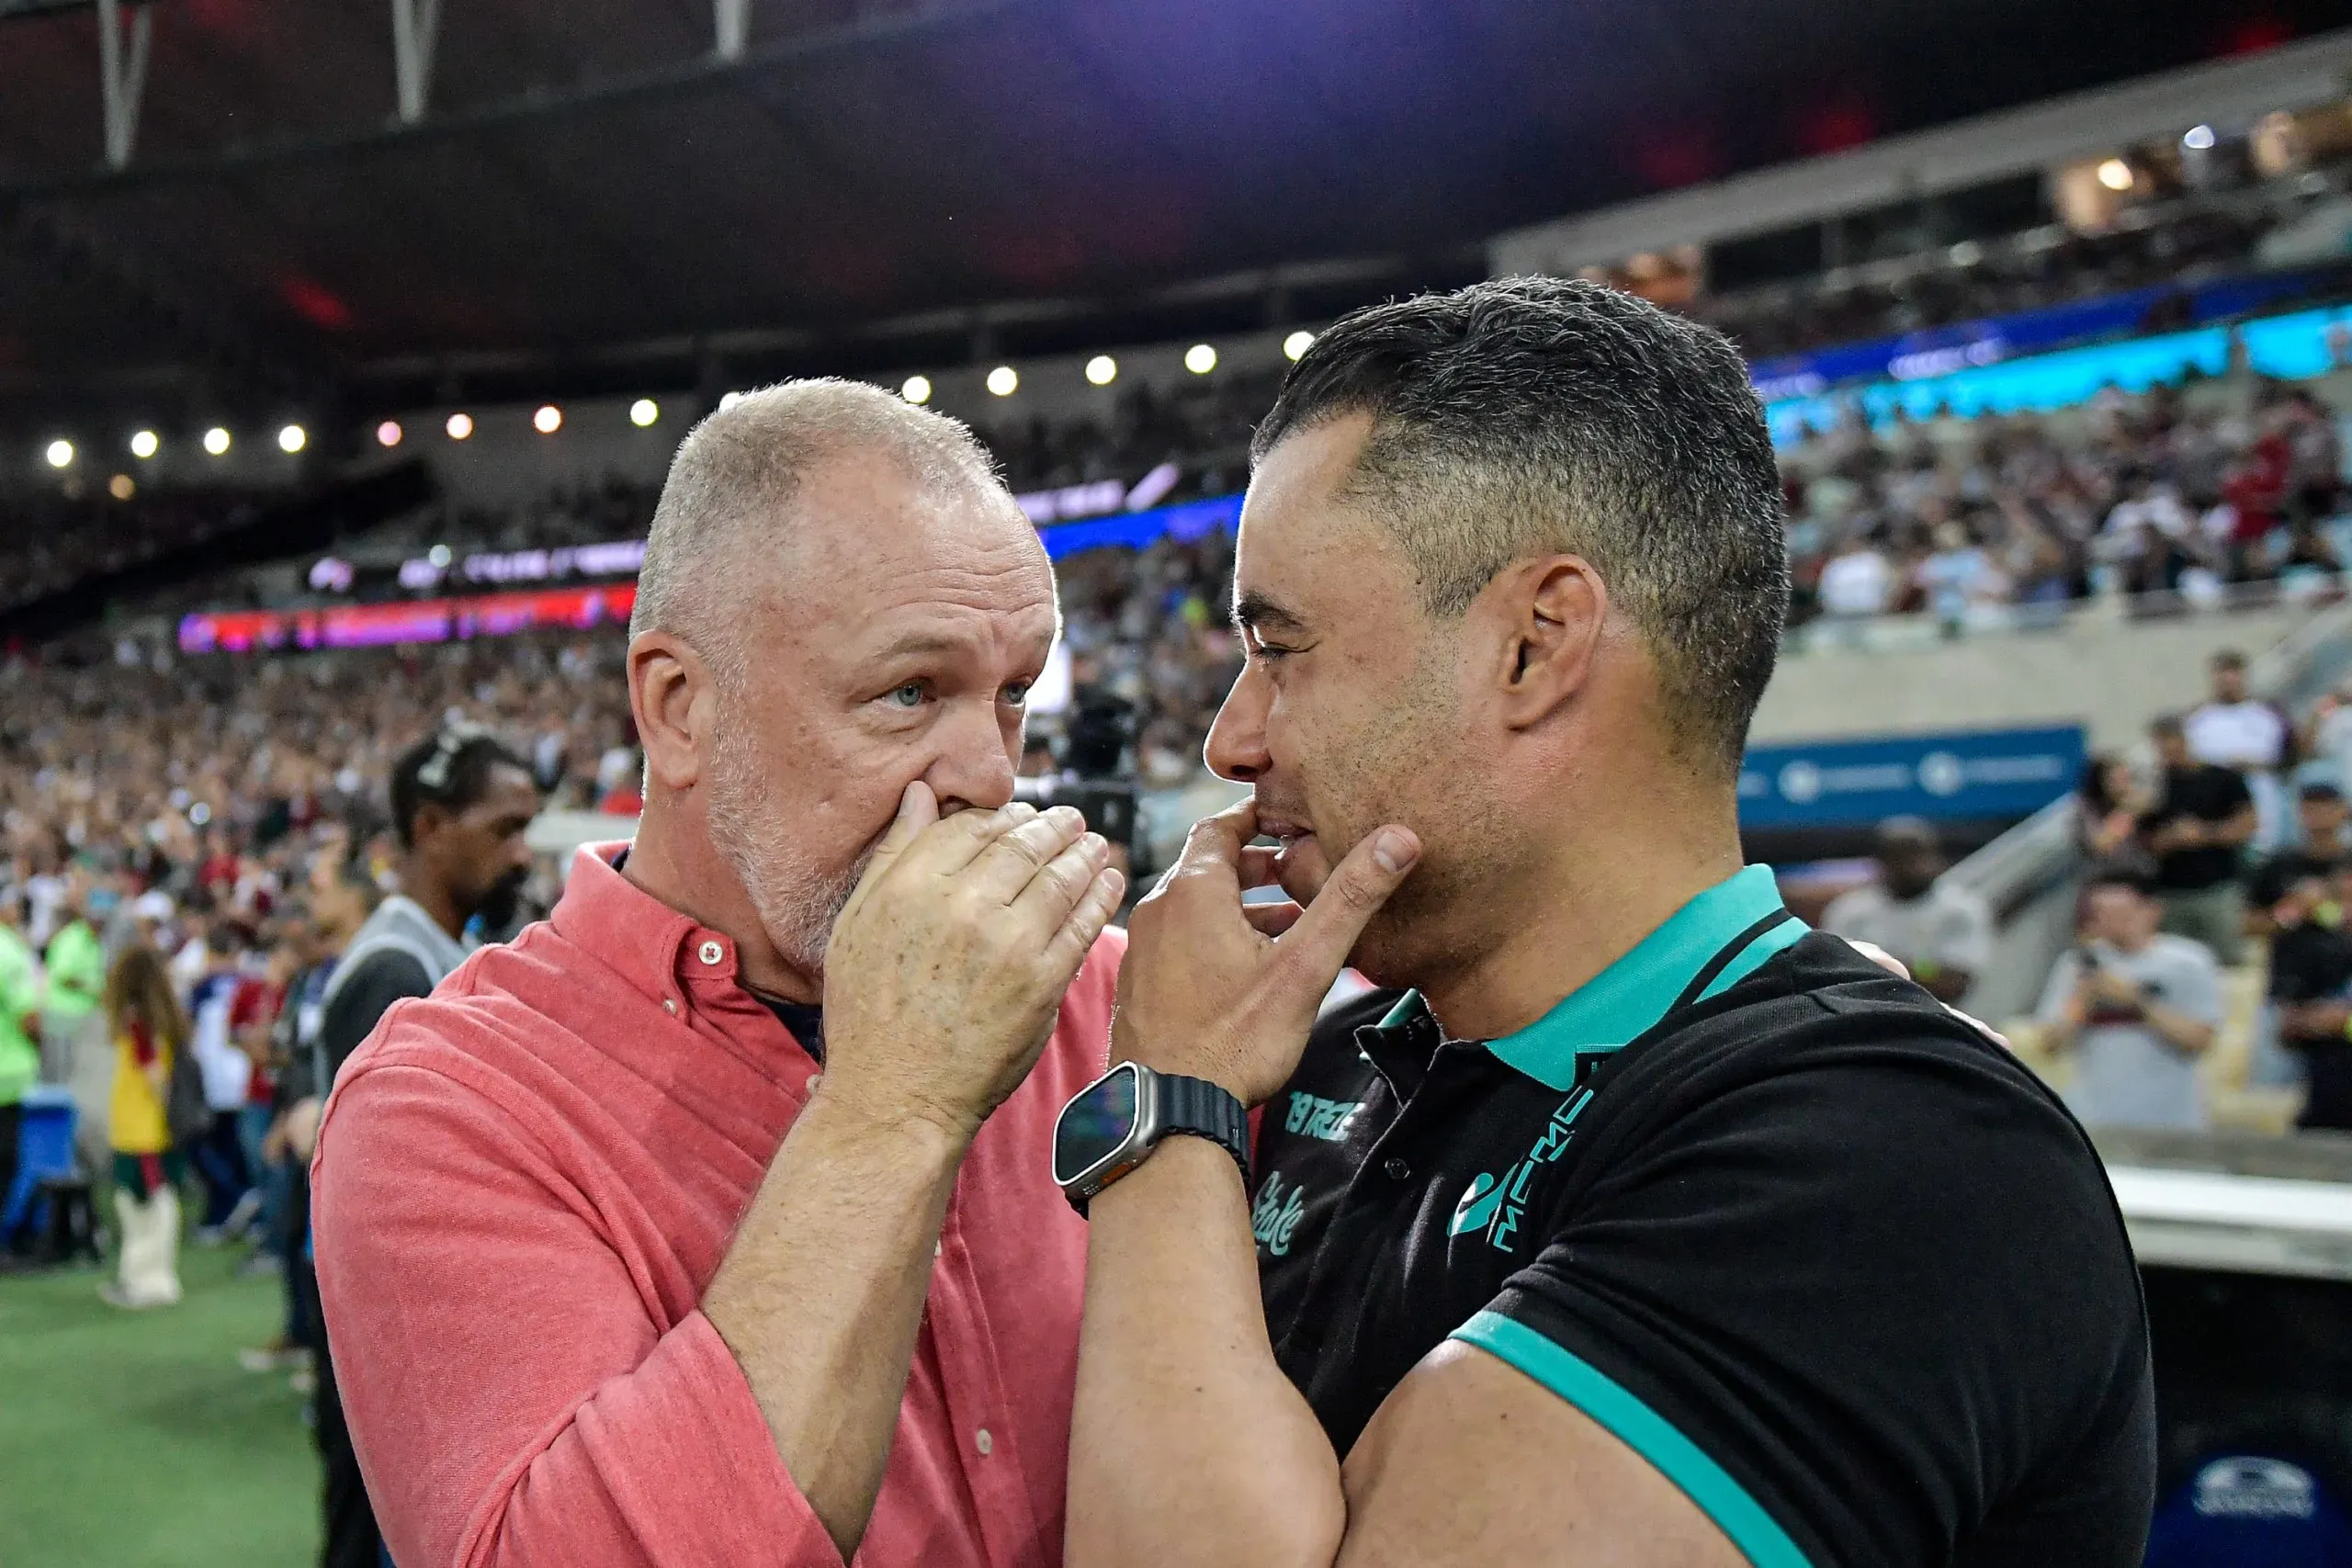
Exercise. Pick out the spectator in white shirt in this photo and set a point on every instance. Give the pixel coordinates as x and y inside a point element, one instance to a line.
<point>1859,581</point>
<point>2232,730</point>
<point>1942,934</point>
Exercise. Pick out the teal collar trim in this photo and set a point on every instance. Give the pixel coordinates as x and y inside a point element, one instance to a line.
<point>1626,1000</point>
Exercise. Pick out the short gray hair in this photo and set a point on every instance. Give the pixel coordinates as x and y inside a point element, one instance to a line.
<point>1529,415</point>
<point>735,477</point>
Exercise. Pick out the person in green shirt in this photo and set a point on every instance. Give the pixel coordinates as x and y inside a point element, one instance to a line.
<point>76,961</point>
<point>20,1000</point>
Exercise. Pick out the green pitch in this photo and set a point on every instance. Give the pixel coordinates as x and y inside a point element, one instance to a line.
<point>134,1440</point>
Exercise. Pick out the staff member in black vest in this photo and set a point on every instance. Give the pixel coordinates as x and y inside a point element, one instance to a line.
<point>1630,1222</point>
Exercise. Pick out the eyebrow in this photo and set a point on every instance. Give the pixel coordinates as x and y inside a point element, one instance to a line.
<point>1253,610</point>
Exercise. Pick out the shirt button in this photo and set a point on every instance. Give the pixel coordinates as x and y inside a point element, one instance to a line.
<point>670,1005</point>
<point>1397,1168</point>
<point>712,952</point>
<point>986,1444</point>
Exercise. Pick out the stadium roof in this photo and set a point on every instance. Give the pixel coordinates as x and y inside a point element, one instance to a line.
<point>593,197</point>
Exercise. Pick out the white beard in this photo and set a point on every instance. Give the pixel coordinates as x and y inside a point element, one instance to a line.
<point>796,902</point>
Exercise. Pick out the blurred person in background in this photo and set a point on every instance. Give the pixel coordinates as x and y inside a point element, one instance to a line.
<point>219,1156</point>
<point>2110,802</point>
<point>2310,991</point>
<point>1942,934</point>
<point>2198,830</point>
<point>20,1003</point>
<point>149,1033</point>
<point>2231,729</point>
<point>74,965</point>
<point>2319,847</point>
<point>2136,1006</point>
<point>460,802</point>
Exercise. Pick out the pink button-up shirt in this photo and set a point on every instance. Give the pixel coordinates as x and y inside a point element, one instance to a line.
<point>525,1182</point>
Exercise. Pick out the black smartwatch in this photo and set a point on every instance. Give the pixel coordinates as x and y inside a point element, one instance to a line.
<point>1111,1125</point>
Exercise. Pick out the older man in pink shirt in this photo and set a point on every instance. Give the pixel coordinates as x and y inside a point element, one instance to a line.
<point>711,1222</point>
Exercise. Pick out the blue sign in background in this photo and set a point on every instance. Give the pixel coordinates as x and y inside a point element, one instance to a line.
<point>1963,776</point>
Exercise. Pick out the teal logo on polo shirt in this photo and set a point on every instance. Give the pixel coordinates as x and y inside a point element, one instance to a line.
<point>1318,1118</point>
<point>1496,1207</point>
<point>1277,1214</point>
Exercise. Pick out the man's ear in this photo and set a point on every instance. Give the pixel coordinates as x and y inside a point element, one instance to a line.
<point>673,697</point>
<point>1551,610</point>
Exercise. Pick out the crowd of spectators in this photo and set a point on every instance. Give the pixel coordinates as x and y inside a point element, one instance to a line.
<point>1970,520</point>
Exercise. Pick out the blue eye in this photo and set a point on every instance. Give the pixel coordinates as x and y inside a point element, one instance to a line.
<point>907,697</point>
<point>1017,693</point>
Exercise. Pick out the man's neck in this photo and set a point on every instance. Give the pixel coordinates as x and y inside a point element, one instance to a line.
<point>429,894</point>
<point>680,868</point>
<point>1573,918</point>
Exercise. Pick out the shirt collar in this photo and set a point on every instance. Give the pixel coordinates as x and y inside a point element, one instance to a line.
<point>655,948</point>
<point>1628,998</point>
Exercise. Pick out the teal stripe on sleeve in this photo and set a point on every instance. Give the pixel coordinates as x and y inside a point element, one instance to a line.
<point>1741,1518</point>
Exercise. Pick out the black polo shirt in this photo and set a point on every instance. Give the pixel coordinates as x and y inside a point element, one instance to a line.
<point>1834,1263</point>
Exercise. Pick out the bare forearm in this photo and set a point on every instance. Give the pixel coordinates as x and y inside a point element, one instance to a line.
<point>2181,1032</point>
<point>1188,1445</point>
<point>820,1297</point>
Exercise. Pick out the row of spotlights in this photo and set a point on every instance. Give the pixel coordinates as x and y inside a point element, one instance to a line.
<point>1101,370</point>
<point>146,444</point>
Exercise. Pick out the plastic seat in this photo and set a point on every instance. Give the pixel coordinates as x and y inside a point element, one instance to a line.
<point>45,1149</point>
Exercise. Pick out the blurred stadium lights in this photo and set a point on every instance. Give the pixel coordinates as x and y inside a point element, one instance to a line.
<point>916,389</point>
<point>548,420</point>
<point>1200,359</point>
<point>59,454</point>
<point>2115,175</point>
<point>389,432</point>
<point>643,413</point>
<point>2198,139</point>
<point>1101,370</point>
<point>459,426</point>
<point>1297,343</point>
<point>120,488</point>
<point>1004,380</point>
<point>145,443</point>
<point>215,440</point>
<point>292,439</point>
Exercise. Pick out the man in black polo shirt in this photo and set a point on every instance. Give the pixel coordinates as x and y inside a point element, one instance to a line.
<point>1629,1222</point>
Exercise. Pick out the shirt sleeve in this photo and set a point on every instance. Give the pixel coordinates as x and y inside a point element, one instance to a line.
<point>2064,976</point>
<point>2196,983</point>
<point>513,1399</point>
<point>1968,938</point>
<point>1849,1343</point>
<point>361,1001</point>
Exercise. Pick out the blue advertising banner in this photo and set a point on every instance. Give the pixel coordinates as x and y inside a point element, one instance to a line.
<point>1963,776</point>
<point>1140,530</point>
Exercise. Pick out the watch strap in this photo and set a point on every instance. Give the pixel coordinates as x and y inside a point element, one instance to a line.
<point>1202,1109</point>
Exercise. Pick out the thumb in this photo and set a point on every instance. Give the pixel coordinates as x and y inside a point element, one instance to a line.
<point>918,809</point>
<point>1317,947</point>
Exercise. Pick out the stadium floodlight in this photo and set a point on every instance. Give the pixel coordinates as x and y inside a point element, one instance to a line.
<point>459,426</point>
<point>915,389</point>
<point>1297,343</point>
<point>145,443</point>
<point>2198,139</point>
<point>215,440</point>
<point>1101,370</point>
<point>120,488</point>
<point>292,439</point>
<point>438,555</point>
<point>1200,359</point>
<point>729,399</point>
<point>1004,380</point>
<point>389,433</point>
<point>2115,175</point>
<point>59,454</point>
<point>548,420</point>
<point>643,413</point>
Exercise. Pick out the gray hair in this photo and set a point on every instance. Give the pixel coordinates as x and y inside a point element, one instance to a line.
<point>1529,415</point>
<point>734,479</point>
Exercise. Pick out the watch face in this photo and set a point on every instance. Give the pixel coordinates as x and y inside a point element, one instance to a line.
<point>1094,1125</point>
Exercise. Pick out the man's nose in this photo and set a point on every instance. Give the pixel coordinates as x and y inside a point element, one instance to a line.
<point>1236,743</point>
<point>974,766</point>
